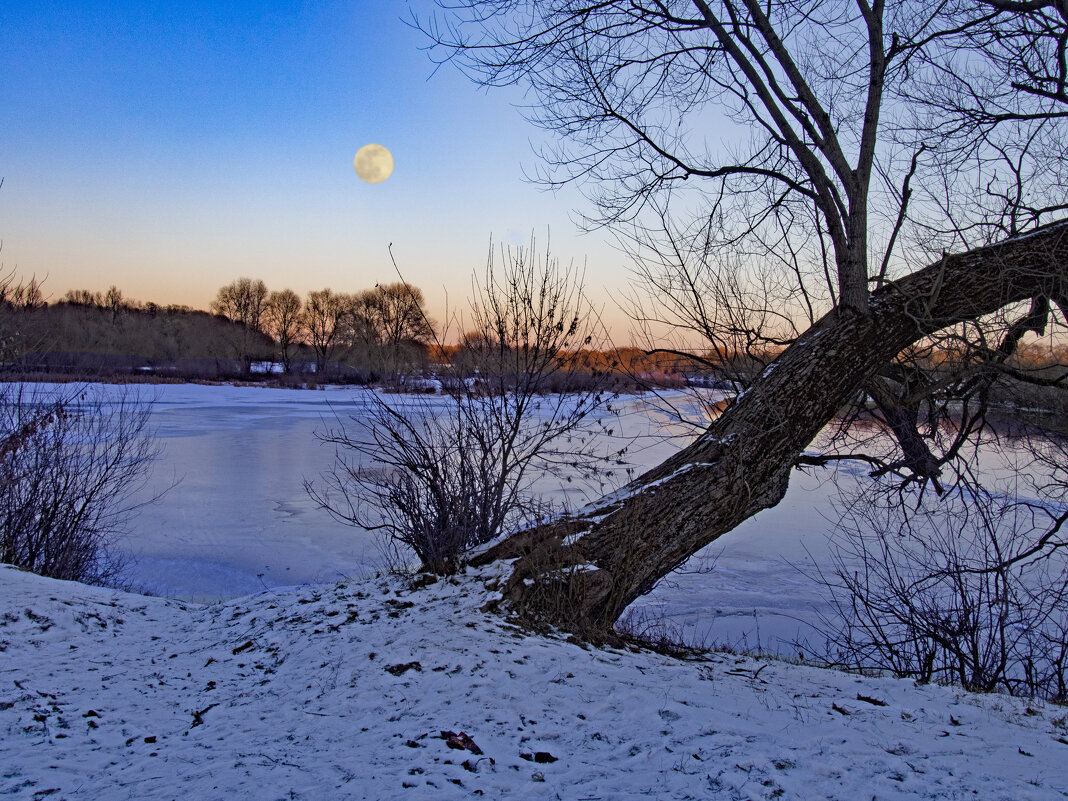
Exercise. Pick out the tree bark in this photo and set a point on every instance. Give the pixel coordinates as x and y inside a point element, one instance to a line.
<point>580,572</point>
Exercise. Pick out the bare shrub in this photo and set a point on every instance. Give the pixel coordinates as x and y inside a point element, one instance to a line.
<point>651,628</point>
<point>970,588</point>
<point>71,461</point>
<point>446,473</point>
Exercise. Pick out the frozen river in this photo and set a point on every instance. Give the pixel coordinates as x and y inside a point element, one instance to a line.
<point>238,520</point>
<point>233,517</point>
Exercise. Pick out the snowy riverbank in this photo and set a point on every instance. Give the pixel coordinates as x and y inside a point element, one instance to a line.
<point>343,691</point>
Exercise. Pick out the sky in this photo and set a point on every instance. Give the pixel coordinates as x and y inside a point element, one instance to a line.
<point>169,148</point>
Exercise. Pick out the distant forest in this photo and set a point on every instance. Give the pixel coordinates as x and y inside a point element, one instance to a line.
<point>248,333</point>
<point>252,333</point>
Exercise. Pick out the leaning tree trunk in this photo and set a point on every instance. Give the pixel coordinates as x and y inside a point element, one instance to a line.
<point>580,572</point>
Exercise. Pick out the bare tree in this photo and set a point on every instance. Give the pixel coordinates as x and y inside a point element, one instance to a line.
<point>441,475</point>
<point>702,305</point>
<point>26,295</point>
<point>83,297</point>
<point>284,322</point>
<point>19,299</point>
<point>71,463</point>
<point>244,302</point>
<point>893,214</point>
<point>114,302</point>
<point>364,325</point>
<point>326,317</point>
<point>388,328</point>
<point>10,335</point>
<point>402,314</point>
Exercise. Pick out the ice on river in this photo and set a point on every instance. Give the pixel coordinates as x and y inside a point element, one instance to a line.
<point>237,519</point>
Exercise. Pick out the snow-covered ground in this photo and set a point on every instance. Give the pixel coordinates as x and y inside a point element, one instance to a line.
<point>343,692</point>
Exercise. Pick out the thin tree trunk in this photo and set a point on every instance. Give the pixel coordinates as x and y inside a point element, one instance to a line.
<point>580,572</point>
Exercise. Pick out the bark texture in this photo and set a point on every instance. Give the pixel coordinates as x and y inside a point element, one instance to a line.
<point>580,572</point>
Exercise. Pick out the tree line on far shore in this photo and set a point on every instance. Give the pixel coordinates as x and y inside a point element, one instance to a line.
<point>331,334</point>
<point>386,327</point>
<point>253,331</point>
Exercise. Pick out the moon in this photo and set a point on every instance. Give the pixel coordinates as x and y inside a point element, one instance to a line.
<point>373,163</point>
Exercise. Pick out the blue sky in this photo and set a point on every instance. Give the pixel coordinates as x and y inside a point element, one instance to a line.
<point>168,148</point>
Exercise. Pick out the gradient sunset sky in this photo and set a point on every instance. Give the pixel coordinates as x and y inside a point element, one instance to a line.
<point>168,148</point>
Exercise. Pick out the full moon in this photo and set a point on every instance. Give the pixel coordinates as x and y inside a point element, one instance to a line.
<point>373,163</point>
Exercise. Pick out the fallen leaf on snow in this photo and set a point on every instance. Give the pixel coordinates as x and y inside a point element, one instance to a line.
<point>461,741</point>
